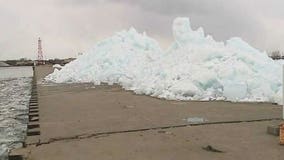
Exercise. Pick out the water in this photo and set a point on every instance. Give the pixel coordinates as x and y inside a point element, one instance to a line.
<point>15,85</point>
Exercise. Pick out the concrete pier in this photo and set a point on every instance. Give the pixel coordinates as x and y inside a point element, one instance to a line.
<point>80,121</point>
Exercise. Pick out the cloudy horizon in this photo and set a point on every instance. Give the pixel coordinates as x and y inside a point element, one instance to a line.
<point>68,27</point>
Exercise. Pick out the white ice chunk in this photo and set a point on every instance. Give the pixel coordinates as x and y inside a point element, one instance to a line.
<point>235,91</point>
<point>194,67</point>
<point>58,66</point>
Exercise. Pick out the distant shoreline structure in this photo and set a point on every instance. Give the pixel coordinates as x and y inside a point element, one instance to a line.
<point>276,55</point>
<point>27,62</point>
<point>277,58</point>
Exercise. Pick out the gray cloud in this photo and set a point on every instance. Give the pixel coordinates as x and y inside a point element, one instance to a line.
<point>221,18</point>
<point>71,26</point>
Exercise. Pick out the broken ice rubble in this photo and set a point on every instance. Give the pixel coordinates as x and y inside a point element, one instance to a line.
<point>194,67</point>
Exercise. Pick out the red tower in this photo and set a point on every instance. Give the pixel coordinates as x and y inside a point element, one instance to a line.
<point>39,53</point>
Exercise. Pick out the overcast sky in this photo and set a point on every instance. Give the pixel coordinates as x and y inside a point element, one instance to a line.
<point>71,26</point>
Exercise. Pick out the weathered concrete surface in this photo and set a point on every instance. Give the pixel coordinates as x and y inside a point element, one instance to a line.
<point>71,110</point>
<point>237,141</point>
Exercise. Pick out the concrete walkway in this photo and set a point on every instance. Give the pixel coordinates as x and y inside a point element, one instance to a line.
<point>80,121</point>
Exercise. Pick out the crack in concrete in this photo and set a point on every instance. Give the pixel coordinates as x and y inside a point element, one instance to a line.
<point>105,134</point>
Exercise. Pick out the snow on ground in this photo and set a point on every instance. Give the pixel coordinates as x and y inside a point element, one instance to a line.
<point>195,67</point>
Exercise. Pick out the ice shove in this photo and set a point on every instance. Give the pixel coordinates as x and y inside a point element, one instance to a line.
<point>194,67</point>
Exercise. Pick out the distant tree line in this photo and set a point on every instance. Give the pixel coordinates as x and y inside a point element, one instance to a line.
<point>20,62</point>
<point>59,61</point>
<point>29,62</point>
<point>276,55</point>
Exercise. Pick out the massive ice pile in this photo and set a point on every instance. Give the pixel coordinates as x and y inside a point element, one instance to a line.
<point>195,67</point>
